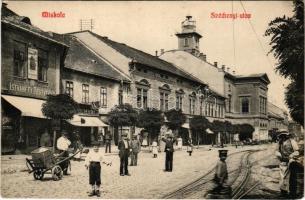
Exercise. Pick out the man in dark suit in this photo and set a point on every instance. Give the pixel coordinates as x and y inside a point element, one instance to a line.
<point>108,138</point>
<point>124,151</point>
<point>169,153</point>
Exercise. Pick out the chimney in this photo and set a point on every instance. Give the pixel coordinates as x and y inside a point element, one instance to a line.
<point>223,67</point>
<point>161,51</point>
<point>156,53</point>
<point>215,64</point>
<point>228,69</point>
<point>234,72</point>
<point>202,56</point>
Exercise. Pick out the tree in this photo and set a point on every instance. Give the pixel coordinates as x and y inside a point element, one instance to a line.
<point>59,107</point>
<point>218,127</point>
<point>175,119</point>
<point>246,131</point>
<point>287,45</point>
<point>151,120</point>
<point>122,115</point>
<point>198,125</point>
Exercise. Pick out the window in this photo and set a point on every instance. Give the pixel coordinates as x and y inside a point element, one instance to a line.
<point>142,98</point>
<point>120,96</point>
<point>192,101</point>
<point>163,101</point>
<point>19,59</point>
<point>244,105</point>
<point>85,94</point>
<point>103,96</point>
<point>179,101</point>
<point>42,65</point>
<point>69,88</point>
<point>201,106</point>
<point>186,42</point>
<point>262,105</point>
<point>229,103</point>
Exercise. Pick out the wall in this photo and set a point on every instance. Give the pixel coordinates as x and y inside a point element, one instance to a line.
<point>24,86</point>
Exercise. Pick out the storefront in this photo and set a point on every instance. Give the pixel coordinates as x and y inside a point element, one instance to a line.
<point>22,123</point>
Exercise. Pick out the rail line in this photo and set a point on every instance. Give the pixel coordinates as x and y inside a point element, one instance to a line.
<point>198,183</point>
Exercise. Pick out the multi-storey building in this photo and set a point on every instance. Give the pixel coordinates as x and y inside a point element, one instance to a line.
<point>30,69</point>
<point>246,95</point>
<point>155,83</point>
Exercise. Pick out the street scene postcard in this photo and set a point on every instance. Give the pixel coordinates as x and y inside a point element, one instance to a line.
<point>152,99</point>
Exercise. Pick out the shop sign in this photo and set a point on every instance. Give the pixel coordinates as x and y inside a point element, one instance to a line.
<point>33,63</point>
<point>27,89</point>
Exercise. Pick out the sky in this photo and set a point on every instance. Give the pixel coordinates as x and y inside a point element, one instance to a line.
<point>152,25</point>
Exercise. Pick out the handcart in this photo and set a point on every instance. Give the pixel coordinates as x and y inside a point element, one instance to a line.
<point>43,160</point>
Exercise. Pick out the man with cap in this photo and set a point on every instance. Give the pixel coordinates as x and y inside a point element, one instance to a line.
<point>63,144</point>
<point>221,172</point>
<point>288,152</point>
<point>135,149</point>
<point>169,152</point>
<point>124,151</point>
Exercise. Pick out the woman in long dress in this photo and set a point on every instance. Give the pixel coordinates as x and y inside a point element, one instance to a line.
<point>155,148</point>
<point>179,143</point>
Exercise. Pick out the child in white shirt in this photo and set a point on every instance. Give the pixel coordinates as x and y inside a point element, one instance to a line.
<point>93,163</point>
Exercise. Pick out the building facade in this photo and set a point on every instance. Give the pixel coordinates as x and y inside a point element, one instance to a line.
<point>31,61</point>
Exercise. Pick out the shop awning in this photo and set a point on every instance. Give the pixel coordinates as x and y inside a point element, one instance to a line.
<point>86,121</point>
<point>186,125</point>
<point>209,131</point>
<point>28,106</point>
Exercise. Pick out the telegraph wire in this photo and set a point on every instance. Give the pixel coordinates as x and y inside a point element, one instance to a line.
<point>253,29</point>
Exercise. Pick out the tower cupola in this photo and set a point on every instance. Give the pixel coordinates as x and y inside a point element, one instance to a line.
<point>188,38</point>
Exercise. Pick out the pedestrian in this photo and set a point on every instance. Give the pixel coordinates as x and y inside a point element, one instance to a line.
<point>124,152</point>
<point>179,143</point>
<point>93,163</point>
<point>108,138</point>
<point>221,174</point>
<point>45,139</point>
<point>287,153</point>
<point>190,147</point>
<point>155,148</point>
<point>169,152</point>
<point>78,147</point>
<point>63,144</point>
<point>135,149</point>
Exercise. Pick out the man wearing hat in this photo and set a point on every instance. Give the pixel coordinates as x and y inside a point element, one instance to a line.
<point>169,152</point>
<point>63,144</point>
<point>124,151</point>
<point>288,152</point>
<point>135,149</point>
<point>221,173</point>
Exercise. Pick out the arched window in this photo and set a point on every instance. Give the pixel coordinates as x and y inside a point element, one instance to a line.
<point>142,93</point>
<point>245,105</point>
<point>179,99</point>
<point>192,102</point>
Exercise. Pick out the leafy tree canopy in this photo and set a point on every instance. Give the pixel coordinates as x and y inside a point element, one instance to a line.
<point>287,45</point>
<point>199,123</point>
<point>60,106</point>
<point>175,118</point>
<point>150,119</point>
<point>217,126</point>
<point>123,115</point>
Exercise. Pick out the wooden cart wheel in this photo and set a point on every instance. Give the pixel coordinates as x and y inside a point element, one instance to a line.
<point>57,173</point>
<point>38,174</point>
<point>67,170</point>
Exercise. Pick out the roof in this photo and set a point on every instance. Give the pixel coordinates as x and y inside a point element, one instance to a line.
<point>80,58</point>
<point>147,59</point>
<point>276,112</point>
<point>261,76</point>
<point>24,23</point>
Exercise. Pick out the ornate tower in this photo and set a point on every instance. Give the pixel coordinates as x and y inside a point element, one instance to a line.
<point>188,39</point>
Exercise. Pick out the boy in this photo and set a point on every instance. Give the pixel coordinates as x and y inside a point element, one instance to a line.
<point>93,162</point>
<point>221,174</point>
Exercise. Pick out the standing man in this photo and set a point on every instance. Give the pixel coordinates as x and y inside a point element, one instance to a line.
<point>288,152</point>
<point>169,153</point>
<point>63,144</point>
<point>108,138</point>
<point>45,139</point>
<point>124,151</point>
<point>135,149</point>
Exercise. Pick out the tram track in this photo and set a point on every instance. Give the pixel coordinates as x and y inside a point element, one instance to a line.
<point>197,185</point>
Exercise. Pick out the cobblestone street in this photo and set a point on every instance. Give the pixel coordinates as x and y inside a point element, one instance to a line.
<point>147,180</point>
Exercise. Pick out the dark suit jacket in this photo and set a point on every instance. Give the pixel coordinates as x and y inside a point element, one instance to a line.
<point>123,150</point>
<point>169,145</point>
